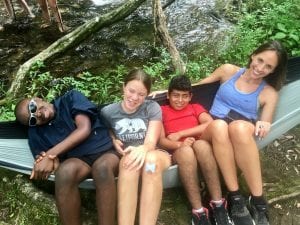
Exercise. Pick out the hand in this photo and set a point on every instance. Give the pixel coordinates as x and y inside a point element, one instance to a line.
<point>135,157</point>
<point>154,93</point>
<point>44,166</point>
<point>262,128</point>
<point>188,141</point>
<point>174,136</point>
<point>40,157</point>
<point>118,146</point>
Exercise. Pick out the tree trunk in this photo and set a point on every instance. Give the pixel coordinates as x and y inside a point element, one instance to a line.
<point>70,40</point>
<point>161,31</point>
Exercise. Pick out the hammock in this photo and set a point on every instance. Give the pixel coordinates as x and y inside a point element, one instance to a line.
<point>15,153</point>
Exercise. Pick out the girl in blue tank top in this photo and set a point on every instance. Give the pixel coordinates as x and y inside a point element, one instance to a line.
<point>230,99</point>
<point>242,92</point>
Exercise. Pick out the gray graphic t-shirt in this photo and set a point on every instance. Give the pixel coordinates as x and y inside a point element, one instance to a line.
<point>131,128</point>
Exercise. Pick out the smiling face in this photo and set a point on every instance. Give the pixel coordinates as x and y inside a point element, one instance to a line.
<point>263,64</point>
<point>178,100</point>
<point>32,112</point>
<point>135,93</point>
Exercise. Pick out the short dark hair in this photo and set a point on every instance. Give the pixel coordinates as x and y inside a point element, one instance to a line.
<point>277,78</point>
<point>141,75</point>
<point>180,83</point>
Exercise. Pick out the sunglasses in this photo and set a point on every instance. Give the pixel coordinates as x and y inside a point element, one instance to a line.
<point>32,108</point>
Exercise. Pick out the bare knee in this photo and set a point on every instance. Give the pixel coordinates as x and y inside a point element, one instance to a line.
<point>71,172</point>
<point>103,171</point>
<point>156,161</point>
<point>202,149</point>
<point>241,131</point>
<point>184,155</point>
<point>217,130</point>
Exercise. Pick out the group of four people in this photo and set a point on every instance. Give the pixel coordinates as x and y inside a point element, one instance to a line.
<point>137,140</point>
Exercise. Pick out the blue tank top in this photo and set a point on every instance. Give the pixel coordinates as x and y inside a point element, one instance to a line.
<point>228,97</point>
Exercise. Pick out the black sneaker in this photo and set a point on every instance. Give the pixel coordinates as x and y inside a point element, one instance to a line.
<point>200,218</point>
<point>259,213</point>
<point>220,214</point>
<point>238,211</point>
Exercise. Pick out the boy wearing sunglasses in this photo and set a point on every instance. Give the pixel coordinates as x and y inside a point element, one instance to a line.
<point>68,137</point>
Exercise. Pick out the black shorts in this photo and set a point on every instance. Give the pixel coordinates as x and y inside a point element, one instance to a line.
<point>90,159</point>
<point>234,115</point>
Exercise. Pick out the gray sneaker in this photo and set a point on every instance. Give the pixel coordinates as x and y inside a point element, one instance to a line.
<point>238,211</point>
<point>220,214</point>
<point>200,218</point>
<point>259,213</point>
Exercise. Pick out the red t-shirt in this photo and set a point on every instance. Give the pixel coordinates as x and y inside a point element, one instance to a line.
<point>177,120</point>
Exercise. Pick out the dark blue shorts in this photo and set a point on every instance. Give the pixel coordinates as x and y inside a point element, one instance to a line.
<point>90,159</point>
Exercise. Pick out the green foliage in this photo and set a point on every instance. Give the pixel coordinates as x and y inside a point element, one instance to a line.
<point>262,21</point>
<point>19,206</point>
<point>101,88</point>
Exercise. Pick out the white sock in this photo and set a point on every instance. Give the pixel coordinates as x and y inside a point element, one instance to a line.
<point>200,210</point>
<point>217,203</point>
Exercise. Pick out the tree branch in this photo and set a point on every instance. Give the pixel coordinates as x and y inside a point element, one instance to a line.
<point>162,32</point>
<point>70,40</point>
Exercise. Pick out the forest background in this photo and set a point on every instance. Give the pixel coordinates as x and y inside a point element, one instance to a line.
<point>254,22</point>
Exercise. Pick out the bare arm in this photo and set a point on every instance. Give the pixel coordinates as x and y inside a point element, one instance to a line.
<point>204,120</point>
<point>166,143</point>
<point>268,100</point>
<point>45,165</point>
<point>136,155</point>
<point>222,73</point>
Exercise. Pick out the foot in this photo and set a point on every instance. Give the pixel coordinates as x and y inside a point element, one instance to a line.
<point>63,28</point>
<point>45,25</point>
<point>200,218</point>
<point>238,211</point>
<point>259,213</point>
<point>220,213</point>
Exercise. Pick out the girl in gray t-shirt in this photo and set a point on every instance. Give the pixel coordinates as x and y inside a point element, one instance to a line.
<point>135,125</point>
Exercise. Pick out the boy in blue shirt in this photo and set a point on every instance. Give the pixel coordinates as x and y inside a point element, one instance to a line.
<point>68,137</point>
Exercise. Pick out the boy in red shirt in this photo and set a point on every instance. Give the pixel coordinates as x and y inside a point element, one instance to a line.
<point>183,124</point>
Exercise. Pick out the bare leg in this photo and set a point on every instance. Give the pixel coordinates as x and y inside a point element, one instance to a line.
<point>57,15</point>
<point>188,172</point>
<point>209,168</point>
<point>45,11</point>
<point>128,181</point>
<point>217,134</point>
<point>68,176</point>
<point>247,154</point>
<point>25,6</point>
<point>9,8</point>
<point>152,187</point>
<point>104,171</point>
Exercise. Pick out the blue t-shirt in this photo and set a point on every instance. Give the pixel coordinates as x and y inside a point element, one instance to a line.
<point>44,137</point>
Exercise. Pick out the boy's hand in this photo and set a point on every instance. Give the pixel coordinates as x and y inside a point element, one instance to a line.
<point>174,136</point>
<point>188,141</point>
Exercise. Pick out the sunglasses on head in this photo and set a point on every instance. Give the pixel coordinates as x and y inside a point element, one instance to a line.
<point>32,108</point>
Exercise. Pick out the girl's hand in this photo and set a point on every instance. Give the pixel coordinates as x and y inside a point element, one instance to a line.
<point>118,146</point>
<point>262,128</point>
<point>135,157</point>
